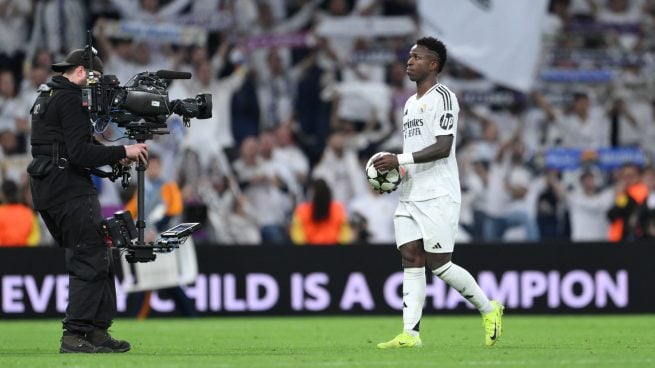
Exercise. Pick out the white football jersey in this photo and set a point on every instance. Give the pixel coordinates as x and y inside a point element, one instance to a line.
<point>425,118</point>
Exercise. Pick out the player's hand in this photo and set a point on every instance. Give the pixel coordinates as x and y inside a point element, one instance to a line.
<point>137,152</point>
<point>385,162</point>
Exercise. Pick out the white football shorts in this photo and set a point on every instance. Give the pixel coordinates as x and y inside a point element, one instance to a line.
<point>435,221</point>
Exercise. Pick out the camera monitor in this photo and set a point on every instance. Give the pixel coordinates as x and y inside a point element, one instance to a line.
<point>180,231</point>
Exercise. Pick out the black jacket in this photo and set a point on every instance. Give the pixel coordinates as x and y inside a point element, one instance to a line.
<point>66,122</point>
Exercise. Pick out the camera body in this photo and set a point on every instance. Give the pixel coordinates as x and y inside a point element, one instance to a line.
<point>142,104</point>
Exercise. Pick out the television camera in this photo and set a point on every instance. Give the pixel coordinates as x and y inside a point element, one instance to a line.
<point>142,105</point>
<point>142,108</point>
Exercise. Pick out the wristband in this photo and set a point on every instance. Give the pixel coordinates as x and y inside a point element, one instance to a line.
<point>405,158</point>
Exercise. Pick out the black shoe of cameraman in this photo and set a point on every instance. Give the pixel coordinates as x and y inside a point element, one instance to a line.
<point>103,340</point>
<point>76,343</point>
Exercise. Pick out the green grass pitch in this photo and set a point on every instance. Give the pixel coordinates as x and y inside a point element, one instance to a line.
<point>345,341</point>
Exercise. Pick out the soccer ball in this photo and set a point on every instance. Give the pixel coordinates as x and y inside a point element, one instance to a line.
<point>383,181</point>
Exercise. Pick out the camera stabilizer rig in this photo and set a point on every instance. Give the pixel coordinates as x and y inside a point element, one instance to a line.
<point>141,108</point>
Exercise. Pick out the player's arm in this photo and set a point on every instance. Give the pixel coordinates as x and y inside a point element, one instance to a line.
<point>433,152</point>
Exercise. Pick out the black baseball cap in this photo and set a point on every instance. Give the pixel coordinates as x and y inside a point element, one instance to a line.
<point>78,57</point>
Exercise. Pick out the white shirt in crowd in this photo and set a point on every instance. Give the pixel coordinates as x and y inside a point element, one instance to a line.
<point>588,214</point>
<point>123,69</point>
<point>11,110</point>
<point>13,26</point>
<point>343,174</point>
<point>592,133</point>
<point>498,200</point>
<point>270,204</point>
<point>377,210</point>
<point>208,136</point>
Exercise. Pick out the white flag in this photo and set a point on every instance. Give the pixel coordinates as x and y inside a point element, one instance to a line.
<point>501,39</point>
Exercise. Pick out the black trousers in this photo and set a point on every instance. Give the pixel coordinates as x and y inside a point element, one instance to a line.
<point>76,225</point>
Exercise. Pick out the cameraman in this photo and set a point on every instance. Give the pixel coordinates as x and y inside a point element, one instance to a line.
<point>64,152</point>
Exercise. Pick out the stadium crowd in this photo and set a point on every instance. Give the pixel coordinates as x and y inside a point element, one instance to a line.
<point>296,97</point>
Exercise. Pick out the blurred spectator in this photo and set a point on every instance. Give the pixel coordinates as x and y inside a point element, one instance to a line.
<point>552,218</point>
<point>276,86</point>
<point>363,70</point>
<point>261,187</point>
<point>231,217</point>
<point>508,196</point>
<point>321,220</point>
<point>28,91</point>
<point>281,168</point>
<point>270,17</point>
<point>647,209</point>
<point>557,19</point>
<point>245,110</point>
<point>340,168</point>
<point>58,26</point>
<point>19,225</point>
<point>630,193</point>
<point>267,26</point>
<point>583,126</point>
<point>43,58</point>
<point>360,110</point>
<point>485,148</point>
<point>621,13</point>
<point>474,170</point>
<point>287,151</point>
<point>117,54</point>
<point>624,126</point>
<point>649,229</point>
<point>401,90</point>
<point>242,223</point>
<point>13,33</point>
<point>14,126</point>
<point>149,10</point>
<point>588,204</point>
<point>191,179</point>
<point>371,217</point>
<point>209,136</point>
<point>647,135</point>
<point>388,7</point>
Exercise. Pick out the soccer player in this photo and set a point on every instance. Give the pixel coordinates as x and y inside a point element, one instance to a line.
<point>427,216</point>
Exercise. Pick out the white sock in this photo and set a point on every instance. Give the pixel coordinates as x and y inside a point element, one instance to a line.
<point>413,298</point>
<point>462,281</point>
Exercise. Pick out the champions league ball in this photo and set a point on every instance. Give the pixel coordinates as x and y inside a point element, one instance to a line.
<point>383,181</point>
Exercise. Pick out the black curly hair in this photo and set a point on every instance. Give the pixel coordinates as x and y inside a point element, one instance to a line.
<point>321,199</point>
<point>438,47</point>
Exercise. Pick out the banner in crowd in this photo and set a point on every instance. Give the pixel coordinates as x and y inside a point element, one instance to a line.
<point>499,39</point>
<point>604,158</point>
<point>372,26</point>
<point>156,32</point>
<point>276,40</point>
<point>213,21</point>
<point>577,76</point>
<point>267,280</point>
